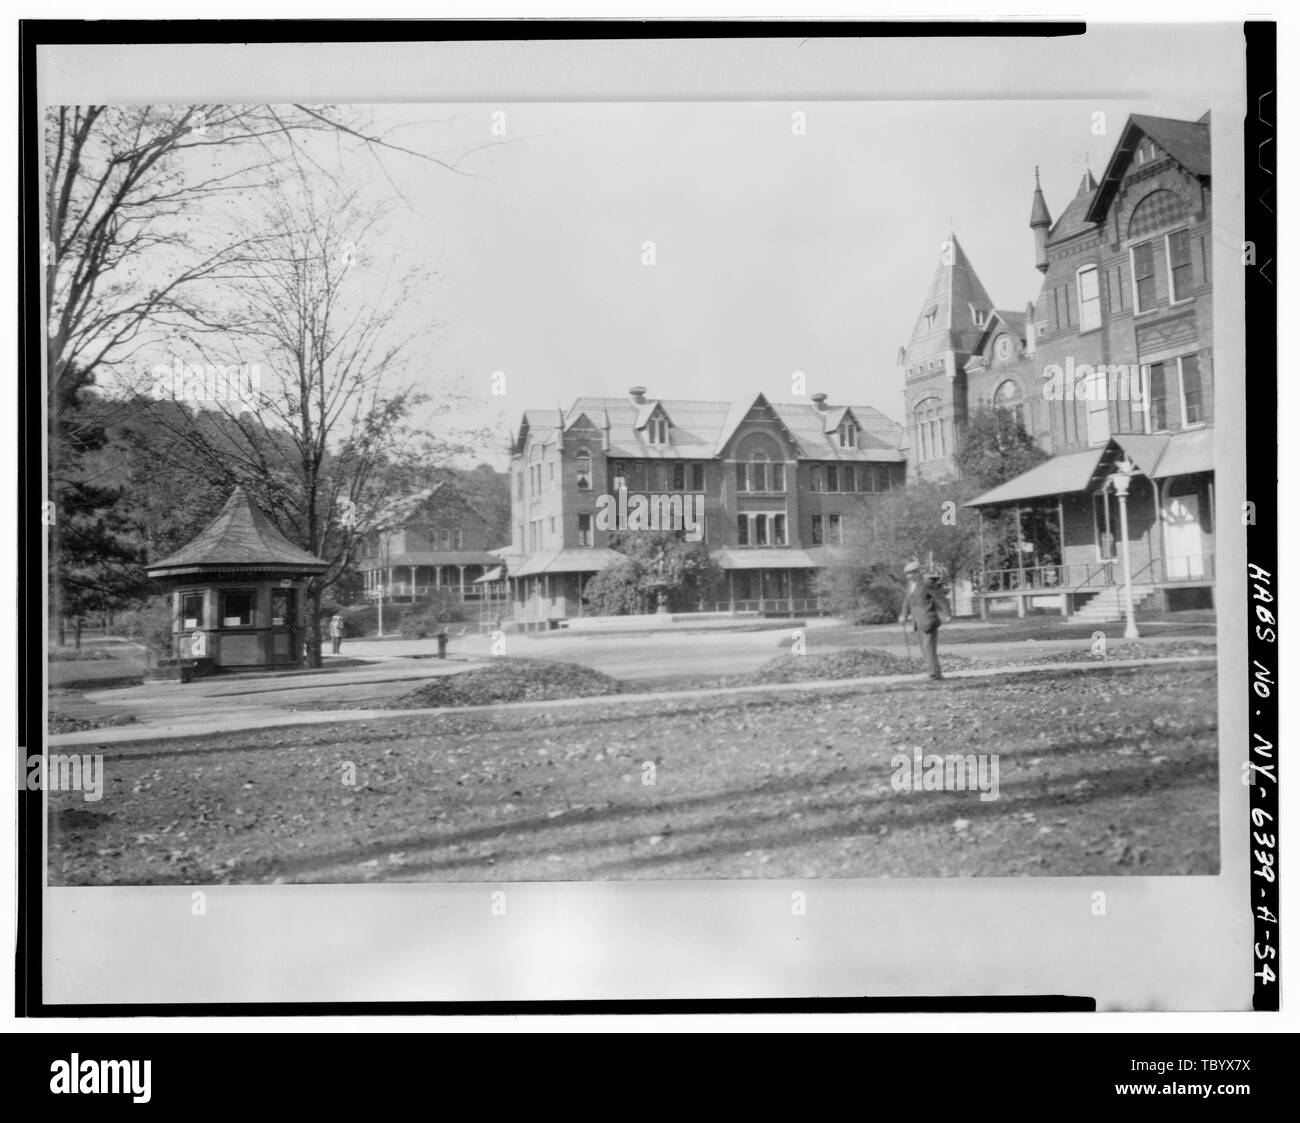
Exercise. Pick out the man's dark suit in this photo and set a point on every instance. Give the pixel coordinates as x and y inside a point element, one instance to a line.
<point>926,607</point>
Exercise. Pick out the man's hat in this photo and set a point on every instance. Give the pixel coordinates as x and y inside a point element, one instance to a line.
<point>911,567</point>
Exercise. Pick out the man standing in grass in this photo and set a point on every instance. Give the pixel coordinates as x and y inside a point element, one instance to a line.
<point>925,605</point>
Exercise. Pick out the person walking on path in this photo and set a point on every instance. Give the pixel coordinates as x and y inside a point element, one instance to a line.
<point>336,632</point>
<point>925,605</point>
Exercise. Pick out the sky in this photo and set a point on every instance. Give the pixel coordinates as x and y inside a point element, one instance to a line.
<point>774,251</point>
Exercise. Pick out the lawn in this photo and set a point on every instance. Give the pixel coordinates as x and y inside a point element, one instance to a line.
<point>1109,772</point>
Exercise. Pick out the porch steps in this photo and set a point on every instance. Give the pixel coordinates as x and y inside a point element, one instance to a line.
<point>1108,605</point>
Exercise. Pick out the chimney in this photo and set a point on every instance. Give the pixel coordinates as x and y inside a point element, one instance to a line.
<point>638,394</point>
<point>819,400</point>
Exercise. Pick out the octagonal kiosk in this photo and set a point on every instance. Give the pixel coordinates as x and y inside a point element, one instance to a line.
<point>237,595</point>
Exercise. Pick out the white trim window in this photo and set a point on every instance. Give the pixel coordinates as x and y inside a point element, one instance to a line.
<point>1142,268</point>
<point>1097,402</point>
<point>657,431</point>
<point>848,433</point>
<point>1089,298</point>
<point>1174,384</point>
<point>929,430</point>
<point>1178,255</point>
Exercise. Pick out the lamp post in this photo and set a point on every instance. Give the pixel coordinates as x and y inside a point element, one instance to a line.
<point>1125,470</point>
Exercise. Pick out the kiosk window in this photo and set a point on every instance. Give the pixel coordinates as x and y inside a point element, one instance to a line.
<point>236,610</point>
<point>191,611</point>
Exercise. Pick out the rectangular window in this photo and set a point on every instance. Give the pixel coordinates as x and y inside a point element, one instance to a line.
<point>697,477</point>
<point>758,475</point>
<point>1098,406</point>
<point>742,530</point>
<point>742,478</point>
<point>777,471</point>
<point>835,532</point>
<point>760,530</point>
<point>638,475</point>
<point>832,477</point>
<point>237,610</point>
<point>1193,401</point>
<point>778,530</point>
<point>551,472</point>
<point>1157,398</point>
<point>1178,246</point>
<point>584,530</point>
<point>679,477</point>
<point>283,607</point>
<point>658,477</point>
<point>1089,300</point>
<point>816,479</point>
<point>1144,277</point>
<point>817,530</point>
<point>191,611</point>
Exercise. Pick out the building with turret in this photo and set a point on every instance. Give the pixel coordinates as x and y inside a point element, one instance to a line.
<point>1111,368</point>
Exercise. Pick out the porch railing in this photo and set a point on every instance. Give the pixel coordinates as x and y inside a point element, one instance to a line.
<point>1079,577</point>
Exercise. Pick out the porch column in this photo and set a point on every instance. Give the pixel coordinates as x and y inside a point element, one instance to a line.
<point>462,581</point>
<point>983,568</point>
<point>1060,524</point>
<point>1020,565</point>
<point>731,590</point>
<point>412,569</point>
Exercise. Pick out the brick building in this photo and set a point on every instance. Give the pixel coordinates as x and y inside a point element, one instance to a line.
<point>1112,365</point>
<point>439,541</point>
<point>777,486</point>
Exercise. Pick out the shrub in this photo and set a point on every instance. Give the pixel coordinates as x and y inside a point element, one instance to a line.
<point>427,617</point>
<point>150,625</point>
<point>618,589</point>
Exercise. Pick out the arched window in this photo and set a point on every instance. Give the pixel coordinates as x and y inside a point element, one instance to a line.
<point>1008,397</point>
<point>584,470</point>
<point>929,430</point>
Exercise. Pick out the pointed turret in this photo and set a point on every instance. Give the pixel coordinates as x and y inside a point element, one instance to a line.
<point>1040,221</point>
<point>955,308</point>
<point>1087,185</point>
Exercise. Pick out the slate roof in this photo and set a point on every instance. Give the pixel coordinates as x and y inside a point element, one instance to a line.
<point>700,430</point>
<point>1076,216</point>
<point>1188,142</point>
<point>954,290</point>
<point>240,539</point>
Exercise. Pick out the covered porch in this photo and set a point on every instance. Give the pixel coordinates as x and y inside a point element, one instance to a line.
<point>776,581</point>
<point>408,577</point>
<point>1053,537</point>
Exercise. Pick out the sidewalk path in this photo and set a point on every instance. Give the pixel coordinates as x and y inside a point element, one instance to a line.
<point>172,725</point>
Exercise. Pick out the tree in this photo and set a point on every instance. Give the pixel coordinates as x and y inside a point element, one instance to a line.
<point>127,188</point>
<point>994,448</point>
<point>135,204</point>
<point>94,556</point>
<point>326,423</point>
<point>926,521</point>
<point>656,562</point>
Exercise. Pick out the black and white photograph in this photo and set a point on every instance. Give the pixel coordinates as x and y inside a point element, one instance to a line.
<point>766,494</point>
